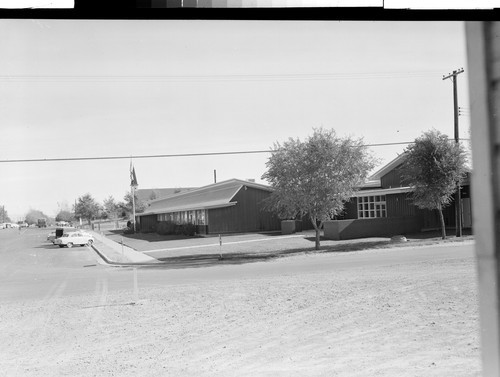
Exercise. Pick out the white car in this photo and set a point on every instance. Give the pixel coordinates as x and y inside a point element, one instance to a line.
<point>74,238</point>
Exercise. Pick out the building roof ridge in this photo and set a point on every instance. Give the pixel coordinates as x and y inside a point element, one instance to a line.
<point>387,167</point>
<point>239,182</point>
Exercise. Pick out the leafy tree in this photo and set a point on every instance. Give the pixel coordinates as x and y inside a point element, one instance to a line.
<point>33,215</point>
<point>434,166</point>
<point>87,208</point>
<point>64,215</point>
<point>4,217</point>
<point>111,207</point>
<point>317,176</point>
<point>140,206</point>
<point>123,210</point>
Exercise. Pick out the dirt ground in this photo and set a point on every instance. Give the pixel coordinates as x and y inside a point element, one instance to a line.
<point>417,319</point>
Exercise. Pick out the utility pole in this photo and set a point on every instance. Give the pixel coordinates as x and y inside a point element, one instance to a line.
<point>458,197</point>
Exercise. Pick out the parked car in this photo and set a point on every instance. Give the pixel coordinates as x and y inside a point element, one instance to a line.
<point>74,238</point>
<point>14,225</point>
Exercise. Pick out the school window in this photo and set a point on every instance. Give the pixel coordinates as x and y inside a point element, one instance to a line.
<point>165,217</point>
<point>200,217</point>
<point>371,207</point>
<point>192,217</point>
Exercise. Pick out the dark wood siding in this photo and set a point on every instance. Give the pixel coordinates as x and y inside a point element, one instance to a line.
<point>148,223</point>
<point>392,179</point>
<point>247,215</point>
<point>432,218</point>
<point>399,205</point>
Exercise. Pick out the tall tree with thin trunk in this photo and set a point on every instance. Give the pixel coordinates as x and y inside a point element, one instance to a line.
<point>434,166</point>
<point>87,208</point>
<point>316,177</point>
<point>110,207</point>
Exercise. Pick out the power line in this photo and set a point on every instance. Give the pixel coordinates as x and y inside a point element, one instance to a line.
<point>171,155</point>
<point>201,78</point>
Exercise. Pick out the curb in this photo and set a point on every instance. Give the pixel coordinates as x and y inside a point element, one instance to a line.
<point>256,256</point>
<point>184,258</point>
<point>120,264</point>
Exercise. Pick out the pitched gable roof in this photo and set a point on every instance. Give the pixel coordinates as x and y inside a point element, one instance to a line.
<point>160,193</point>
<point>388,167</point>
<point>216,195</point>
<point>374,180</point>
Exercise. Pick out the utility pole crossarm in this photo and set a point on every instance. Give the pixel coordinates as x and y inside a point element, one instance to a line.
<point>454,74</point>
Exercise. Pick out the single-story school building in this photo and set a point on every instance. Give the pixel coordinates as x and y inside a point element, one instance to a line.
<point>383,207</point>
<point>232,206</point>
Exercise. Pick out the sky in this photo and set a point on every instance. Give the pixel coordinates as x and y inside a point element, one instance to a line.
<point>101,88</point>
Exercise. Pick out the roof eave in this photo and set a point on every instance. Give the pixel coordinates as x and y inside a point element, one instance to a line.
<point>181,209</point>
<point>384,191</point>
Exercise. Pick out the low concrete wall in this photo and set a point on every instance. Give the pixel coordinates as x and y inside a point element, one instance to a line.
<point>361,228</point>
<point>291,226</point>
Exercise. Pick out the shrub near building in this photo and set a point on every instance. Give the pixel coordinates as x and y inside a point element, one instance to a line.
<point>166,228</point>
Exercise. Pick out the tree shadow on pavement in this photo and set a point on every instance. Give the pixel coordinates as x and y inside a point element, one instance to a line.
<point>207,260</point>
<point>349,245</point>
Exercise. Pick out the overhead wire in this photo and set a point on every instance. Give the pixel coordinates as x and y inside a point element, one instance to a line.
<point>215,77</point>
<point>202,154</point>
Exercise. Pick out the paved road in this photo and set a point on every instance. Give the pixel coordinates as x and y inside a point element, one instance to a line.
<point>32,268</point>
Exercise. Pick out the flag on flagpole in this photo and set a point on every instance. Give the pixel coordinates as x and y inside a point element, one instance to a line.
<point>133,178</point>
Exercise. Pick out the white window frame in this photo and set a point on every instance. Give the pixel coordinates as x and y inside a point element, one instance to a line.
<point>372,207</point>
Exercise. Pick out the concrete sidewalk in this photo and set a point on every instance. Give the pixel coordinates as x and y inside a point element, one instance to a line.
<point>114,253</point>
<point>234,247</point>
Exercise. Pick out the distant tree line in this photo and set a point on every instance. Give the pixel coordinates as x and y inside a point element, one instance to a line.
<point>87,208</point>
<point>4,217</point>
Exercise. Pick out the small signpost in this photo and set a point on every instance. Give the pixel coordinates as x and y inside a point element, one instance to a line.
<point>136,290</point>
<point>220,247</point>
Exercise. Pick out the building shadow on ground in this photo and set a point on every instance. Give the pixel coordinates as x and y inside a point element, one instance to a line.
<point>151,237</point>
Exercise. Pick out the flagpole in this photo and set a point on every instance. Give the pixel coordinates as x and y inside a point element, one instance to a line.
<point>133,204</point>
<point>133,185</point>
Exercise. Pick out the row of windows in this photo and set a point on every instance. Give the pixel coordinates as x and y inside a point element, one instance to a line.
<point>371,207</point>
<point>368,207</point>
<point>183,217</point>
